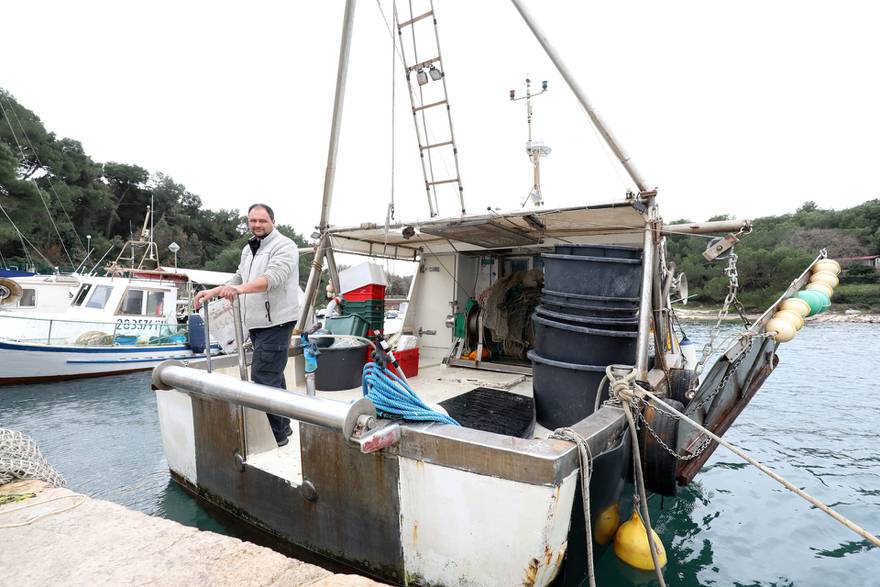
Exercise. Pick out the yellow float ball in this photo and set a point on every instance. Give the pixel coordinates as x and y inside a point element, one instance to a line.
<point>607,524</point>
<point>824,288</point>
<point>792,318</point>
<point>829,265</point>
<point>796,305</point>
<point>826,277</point>
<point>784,330</point>
<point>631,545</point>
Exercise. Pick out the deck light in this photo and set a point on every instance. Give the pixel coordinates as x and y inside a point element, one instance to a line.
<point>422,77</point>
<point>435,73</point>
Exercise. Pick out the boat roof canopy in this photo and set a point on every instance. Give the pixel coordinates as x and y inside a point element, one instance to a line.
<point>610,223</point>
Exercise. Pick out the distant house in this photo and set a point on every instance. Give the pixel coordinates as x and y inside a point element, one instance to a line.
<point>867,261</point>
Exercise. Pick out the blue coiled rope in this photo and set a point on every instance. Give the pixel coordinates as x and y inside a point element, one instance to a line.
<point>395,399</point>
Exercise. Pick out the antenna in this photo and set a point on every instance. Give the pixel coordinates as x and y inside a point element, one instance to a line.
<point>534,149</point>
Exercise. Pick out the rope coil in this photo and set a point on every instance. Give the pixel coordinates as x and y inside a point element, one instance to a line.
<point>394,398</point>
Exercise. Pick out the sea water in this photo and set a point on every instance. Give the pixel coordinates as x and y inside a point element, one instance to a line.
<point>815,421</point>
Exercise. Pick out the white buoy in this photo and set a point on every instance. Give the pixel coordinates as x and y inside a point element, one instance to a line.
<point>828,278</point>
<point>796,305</point>
<point>783,329</point>
<point>822,287</point>
<point>827,265</point>
<point>793,318</point>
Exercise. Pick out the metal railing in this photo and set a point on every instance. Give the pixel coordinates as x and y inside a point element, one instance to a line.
<point>125,331</point>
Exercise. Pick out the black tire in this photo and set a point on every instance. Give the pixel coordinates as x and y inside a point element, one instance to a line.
<point>659,466</point>
<point>680,383</point>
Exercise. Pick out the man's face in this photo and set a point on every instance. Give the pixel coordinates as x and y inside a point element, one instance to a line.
<point>259,222</point>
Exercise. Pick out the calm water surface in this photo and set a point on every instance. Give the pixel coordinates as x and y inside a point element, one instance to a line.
<point>815,421</point>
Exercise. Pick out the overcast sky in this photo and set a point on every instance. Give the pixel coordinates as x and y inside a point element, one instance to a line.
<point>748,108</point>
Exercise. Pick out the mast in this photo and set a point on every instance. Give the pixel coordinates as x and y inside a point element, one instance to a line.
<point>330,172</point>
<point>582,98</point>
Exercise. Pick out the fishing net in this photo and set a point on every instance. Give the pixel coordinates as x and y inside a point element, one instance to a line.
<point>507,310</point>
<point>20,458</point>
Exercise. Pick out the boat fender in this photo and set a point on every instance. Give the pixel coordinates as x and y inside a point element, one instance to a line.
<point>797,305</point>
<point>681,382</point>
<point>689,352</point>
<point>196,327</point>
<point>828,278</point>
<point>782,330</point>
<point>659,465</point>
<point>792,318</point>
<point>607,523</point>
<point>631,544</point>
<point>829,265</point>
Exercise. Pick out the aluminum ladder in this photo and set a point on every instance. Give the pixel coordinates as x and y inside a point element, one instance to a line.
<point>434,132</point>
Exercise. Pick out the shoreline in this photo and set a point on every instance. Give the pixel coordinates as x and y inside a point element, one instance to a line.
<point>849,316</point>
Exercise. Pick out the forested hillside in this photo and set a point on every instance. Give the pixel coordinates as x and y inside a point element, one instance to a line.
<point>780,247</point>
<point>55,194</point>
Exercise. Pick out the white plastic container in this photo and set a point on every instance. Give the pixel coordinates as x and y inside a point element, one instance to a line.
<point>360,275</point>
<point>689,353</point>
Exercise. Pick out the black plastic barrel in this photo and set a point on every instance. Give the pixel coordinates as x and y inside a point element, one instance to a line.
<point>616,251</point>
<point>627,324</point>
<point>565,393</point>
<point>340,367</point>
<point>589,305</point>
<point>559,341</point>
<point>594,276</point>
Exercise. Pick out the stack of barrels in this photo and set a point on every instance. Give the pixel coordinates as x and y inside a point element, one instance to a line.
<point>587,320</point>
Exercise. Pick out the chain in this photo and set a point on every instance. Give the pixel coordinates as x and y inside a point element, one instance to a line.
<point>638,404</point>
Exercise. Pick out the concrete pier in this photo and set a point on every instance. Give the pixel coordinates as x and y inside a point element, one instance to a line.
<point>53,536</point>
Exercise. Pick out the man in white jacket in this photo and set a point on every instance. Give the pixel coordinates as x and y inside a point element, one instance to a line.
<point>268,277</point>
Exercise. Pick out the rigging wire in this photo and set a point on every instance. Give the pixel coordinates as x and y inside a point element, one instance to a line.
<point>48,178</point>
<point>39,190</point>
<point>24,239</point>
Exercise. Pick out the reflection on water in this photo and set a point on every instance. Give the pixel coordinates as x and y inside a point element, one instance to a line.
<point>815,422</point>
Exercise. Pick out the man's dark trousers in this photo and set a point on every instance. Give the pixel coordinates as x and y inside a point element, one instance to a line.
<point>270,357</point>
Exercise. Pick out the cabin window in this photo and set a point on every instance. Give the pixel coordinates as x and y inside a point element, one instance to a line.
<point>100,297</point>
<point>133,302</point>
<point>28,298</point>
<point>139,302</point>
<point>81,294</point>
<point>155,303</point>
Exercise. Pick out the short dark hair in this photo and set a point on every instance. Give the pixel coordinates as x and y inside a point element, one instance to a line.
<point>268,210</point>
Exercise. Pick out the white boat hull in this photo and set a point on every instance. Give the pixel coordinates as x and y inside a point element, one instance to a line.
<point>26,362</point>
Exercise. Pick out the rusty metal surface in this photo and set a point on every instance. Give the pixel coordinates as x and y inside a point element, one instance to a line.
<point>729,403</point>
<point>534,461</point>
<point>354,517</point>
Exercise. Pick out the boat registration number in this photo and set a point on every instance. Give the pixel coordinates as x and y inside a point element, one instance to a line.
<point>134,324</point>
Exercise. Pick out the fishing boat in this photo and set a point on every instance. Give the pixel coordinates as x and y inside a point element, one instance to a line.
<point>532,325</point>
<point>110,325</point>
<point>130,319</point>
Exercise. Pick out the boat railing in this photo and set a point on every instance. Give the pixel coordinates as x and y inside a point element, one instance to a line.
<point>125,331</point>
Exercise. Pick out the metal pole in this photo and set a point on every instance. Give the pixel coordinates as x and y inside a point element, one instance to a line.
<point>331,269</point>
<point>341,74</point>
<point>336,415</point>
<point>582,97</point>
<point>242,371</point>
<point>239,339</point>
<point>207,336</point>
<point>645,305</point>
<point>330,172</point>
<point>311,285</point>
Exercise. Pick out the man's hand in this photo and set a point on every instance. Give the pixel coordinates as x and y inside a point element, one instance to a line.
<point>204,295</point>
<point>230,292</point>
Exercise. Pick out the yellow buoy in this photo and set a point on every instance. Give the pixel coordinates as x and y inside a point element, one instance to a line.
<point>792,318</point>
<point>607,524</point>
<point>784,329</point>
<point>826,277</point>
<point>796,305</point>
<point>631,545</point>
<point>824,288</point>
<point>827,265</point>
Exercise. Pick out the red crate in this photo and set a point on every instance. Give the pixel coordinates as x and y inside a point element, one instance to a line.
<point>373,291</point>
<point>408,361</point>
